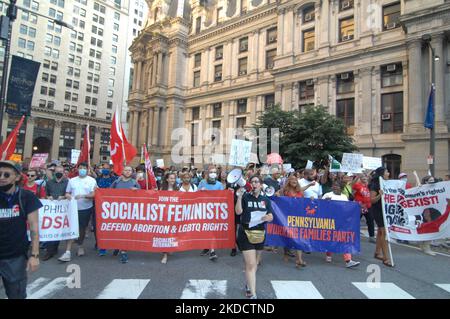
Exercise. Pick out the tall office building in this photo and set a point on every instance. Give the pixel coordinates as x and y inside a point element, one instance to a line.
<point>206,65</point>
<point>83,75</point>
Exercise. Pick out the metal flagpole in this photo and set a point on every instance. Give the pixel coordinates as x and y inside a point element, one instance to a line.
<point>386,226</point>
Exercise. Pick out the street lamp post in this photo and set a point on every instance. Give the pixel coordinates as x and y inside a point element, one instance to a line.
<point>427,40</point>
<point>5,35</point>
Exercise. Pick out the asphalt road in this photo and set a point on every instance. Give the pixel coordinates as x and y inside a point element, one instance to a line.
<point>189,275</point>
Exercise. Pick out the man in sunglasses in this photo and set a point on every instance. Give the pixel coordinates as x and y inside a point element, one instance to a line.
<point>17,207</point>
<point>32,186</point>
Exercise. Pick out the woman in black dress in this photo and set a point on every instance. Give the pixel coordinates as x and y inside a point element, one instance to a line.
<point>251,239</point>
<point>381,249</point>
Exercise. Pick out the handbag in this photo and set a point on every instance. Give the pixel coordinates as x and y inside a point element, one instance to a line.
<point>255,236</point>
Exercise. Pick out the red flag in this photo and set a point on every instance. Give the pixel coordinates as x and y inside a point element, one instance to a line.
<point>151,180</point>
<point>9,145</point>
<point>85,154</point>
<point>130,150</point>
<point>121,150</point>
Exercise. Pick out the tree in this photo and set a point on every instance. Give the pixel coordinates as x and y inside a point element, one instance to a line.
<point>312,135</point>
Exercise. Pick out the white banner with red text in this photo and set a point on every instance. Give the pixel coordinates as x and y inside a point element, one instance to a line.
<point>419,213</point>
<point>58,220</point>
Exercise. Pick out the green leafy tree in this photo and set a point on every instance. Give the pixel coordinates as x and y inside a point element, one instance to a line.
<point>311,135</point>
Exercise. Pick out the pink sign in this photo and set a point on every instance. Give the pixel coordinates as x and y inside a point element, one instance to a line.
<point>39,160</point>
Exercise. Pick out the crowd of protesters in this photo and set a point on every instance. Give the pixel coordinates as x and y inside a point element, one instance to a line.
<point>62,181</point>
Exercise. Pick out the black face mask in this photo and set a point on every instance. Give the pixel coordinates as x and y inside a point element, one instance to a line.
<point>58,175</point>
<point>6,188</point>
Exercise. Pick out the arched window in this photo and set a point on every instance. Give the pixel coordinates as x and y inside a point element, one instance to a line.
<point>393,163</point>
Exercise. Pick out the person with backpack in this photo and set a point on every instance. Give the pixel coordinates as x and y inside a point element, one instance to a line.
<point>17,208</point>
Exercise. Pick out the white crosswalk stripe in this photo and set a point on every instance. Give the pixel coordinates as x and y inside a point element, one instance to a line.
<point>382,290</point>
<point>49,290</point>
<point>289,289</point>
<point>446,287</point>
<point>45,288</point>
<point>205,289</point>
<point>124,289</point>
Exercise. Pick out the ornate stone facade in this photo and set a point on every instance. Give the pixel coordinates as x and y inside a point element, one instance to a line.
<point>219,64</point>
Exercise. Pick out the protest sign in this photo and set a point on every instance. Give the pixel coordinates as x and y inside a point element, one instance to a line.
<point>416,214</point>
<point>318,225</point>
<point>16,157</point>
<point>240,153</point>
<point>352,163</point>
<point>335,166</point>
<point>74,156</point>
<point>38,160</point>
<point>160,163</point>
<point>309,165</point>
<point>164,221</point>
<point>371,163</point>
<point>58,220</point>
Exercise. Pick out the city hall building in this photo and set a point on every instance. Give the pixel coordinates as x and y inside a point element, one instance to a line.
<point>203,65</point>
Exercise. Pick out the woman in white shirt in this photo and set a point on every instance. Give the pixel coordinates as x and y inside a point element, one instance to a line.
<point>186,185</point>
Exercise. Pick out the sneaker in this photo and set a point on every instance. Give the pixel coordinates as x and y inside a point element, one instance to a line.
<point>351,263</point>
<point>80,252</point>
<point>372,240</point>
<point>116,252</point>
<point>123,258</point>
<point>328,259</point>
<point>253,297</point>
<point>102,252</point>
<point>233,252</point>
<point>435,243</point>
<point>248,292</point>
<point>164,259</point>
<point>428,251</point>
<point>204,252</point>
<point>66,257</point>
<point>213,256</point>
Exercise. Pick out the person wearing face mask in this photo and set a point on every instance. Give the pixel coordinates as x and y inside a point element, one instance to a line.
<point>82,188</point>
<point>210,184</point>
<point>56,190</point>
<point>18,207</point>
<point>404,177</point>
<point>106,179</point>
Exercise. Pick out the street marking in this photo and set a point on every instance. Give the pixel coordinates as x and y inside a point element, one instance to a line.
<point>50,289</point>
<point>446,287</point>
<point>31,288</point>
<point>124,289</point>
<point>382,290</point>
<point>205,289</point>
<point>295,290</point>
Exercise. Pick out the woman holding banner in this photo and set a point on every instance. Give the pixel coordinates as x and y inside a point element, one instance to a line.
<point>381,249</point>
<point>168,184</point>
<point>255,210</point>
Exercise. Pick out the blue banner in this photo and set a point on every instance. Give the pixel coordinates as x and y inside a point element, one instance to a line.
<point>429,116</point>
<point>22,79</point>
<point>315,225</point>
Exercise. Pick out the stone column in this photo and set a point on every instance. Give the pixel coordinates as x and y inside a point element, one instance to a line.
<point>160,68</point>
<point>28,147</point>
<point>134,129</point>
<point>139,75</point>
<point>155,127</point>
<point>134,75</point>
<point>280,33</point>
<point>96,153</point>
<point>55,141</point>
<point>323,31</point>
<point>295,95</point>
<point>252,108</point>
<point>437,44</point>
<point>287,32</point>
<point>415,86</point>
<point>253,62</point>
<point>149,126</point>
<point>155,67</point>
<point>142,129</point>
<point>365,102</point>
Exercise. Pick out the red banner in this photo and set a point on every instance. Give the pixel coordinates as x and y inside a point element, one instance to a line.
<point>164,221</point>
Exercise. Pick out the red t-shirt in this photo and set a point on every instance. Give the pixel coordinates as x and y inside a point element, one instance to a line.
<point>34,190</point>
<point>293,194</point>
<point>362,195</point>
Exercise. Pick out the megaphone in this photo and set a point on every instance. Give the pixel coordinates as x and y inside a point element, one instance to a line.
<point>268,190</point>
<point>235,177</point>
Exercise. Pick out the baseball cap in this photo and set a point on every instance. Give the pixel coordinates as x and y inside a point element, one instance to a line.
<point>12,165</point>
<point>401,175</point>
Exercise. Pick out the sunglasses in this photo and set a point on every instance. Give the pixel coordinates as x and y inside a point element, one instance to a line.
<point>5,174</point>
<point>31,175</point>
